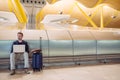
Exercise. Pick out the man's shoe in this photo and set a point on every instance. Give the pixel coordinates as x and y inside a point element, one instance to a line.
<point>12,72</point>
<point>26,71</point>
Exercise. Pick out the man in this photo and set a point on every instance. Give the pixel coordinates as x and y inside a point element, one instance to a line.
<point>25,54</point>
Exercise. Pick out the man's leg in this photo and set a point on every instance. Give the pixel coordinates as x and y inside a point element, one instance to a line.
<point>26,62</point>
<point>12,63</point>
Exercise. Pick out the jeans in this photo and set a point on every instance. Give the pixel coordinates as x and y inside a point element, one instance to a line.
<point>12,60</point>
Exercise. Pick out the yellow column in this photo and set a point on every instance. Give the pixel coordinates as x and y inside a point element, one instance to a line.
<point>39,16</point>
<point>53,1</point>
<point>16,7</point>
<point>101,17</point>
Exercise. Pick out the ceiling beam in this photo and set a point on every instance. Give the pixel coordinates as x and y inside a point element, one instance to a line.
<point>86,16</point>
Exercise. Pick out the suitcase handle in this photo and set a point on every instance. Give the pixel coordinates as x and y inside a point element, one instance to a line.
<point>41,43</point>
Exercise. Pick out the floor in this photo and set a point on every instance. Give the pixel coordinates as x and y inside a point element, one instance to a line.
<point>94,72</point>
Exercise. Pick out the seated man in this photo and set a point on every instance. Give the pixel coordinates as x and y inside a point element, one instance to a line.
<point>25,54</point>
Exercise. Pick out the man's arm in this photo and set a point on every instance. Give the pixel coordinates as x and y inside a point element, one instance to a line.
<point>15,42</point>
<point>12,48</point>
<point>27,47</point>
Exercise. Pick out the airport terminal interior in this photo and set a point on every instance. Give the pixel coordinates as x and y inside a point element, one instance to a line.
<point>79,39</point>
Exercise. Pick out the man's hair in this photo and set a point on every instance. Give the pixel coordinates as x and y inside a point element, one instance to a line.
<point>20,33</point>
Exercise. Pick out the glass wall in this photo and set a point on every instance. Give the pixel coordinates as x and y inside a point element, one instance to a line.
<point>84,47</point>
<point>108,46</point>
<point>60,48</point>
<point>5,48</point>
<point>67,47</point>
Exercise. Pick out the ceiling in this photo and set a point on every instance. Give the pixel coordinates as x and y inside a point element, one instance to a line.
<point>111,12</point>
<point>92,3</point>
<point>92,8</point>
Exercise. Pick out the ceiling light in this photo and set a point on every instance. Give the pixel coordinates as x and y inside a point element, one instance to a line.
<point>61,12</point>
<point>74,21</point>
<point>89,14</point>
<point>113,17</point>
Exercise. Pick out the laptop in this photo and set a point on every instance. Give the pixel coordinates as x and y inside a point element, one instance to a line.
<point>18,48</point>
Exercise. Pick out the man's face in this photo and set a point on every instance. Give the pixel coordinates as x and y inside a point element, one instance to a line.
<point>20,36</point>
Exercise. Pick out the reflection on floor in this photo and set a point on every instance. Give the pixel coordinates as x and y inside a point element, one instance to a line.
<point>97,72</point>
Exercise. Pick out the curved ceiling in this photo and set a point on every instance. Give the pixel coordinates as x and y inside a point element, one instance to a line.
<point>92,3</point>
<point>111,11</point>
<point>113,3</point>
<point>92,8</point>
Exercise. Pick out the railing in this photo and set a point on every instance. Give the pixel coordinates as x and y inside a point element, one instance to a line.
<point>61,51</point>
<point>74,60</point>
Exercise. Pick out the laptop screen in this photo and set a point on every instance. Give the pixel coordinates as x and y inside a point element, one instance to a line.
<point>18,48</point>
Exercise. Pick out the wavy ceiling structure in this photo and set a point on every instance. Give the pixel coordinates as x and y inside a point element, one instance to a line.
<point>93,3</point>
<point>89,12</point>
<point>94,13</point>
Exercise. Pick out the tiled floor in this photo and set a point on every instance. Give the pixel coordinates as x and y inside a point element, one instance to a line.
<point>97,72</point>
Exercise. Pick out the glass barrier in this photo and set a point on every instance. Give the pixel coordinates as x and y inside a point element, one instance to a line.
<point>36,44</point>
<point>60,48</point>
<point>5,48</point>
<point>84,47</point>
<point>108,46</point>
<point>67,47</point>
